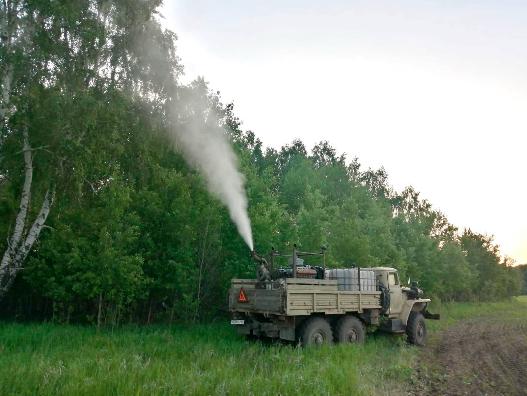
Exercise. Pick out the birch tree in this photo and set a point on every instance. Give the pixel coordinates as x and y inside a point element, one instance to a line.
<point>16,41</point>
<point>60,61</point>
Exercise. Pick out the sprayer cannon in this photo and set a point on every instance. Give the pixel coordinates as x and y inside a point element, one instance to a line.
<point>296,268</point>
<point>262,272</point>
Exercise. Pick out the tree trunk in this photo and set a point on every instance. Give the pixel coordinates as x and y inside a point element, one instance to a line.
<point>201,268</point>
<point>149,311</point>
<point>173,309</point>
<point>5,106</point>
<point>20,243</point>
<point>99,312</point>
<point>38,224</point>
<point>9,23</point>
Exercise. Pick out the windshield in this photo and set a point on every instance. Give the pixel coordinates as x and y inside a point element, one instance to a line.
<point>393,279</point>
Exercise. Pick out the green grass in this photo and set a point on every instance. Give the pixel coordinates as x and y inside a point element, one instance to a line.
<point>514,309</point>
<point>522,298</point>
<point>211,359</point>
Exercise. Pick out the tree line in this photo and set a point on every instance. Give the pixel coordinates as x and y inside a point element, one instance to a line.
<point>104,222</point>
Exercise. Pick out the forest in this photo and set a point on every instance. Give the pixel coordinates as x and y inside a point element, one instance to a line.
<point>104,222</point>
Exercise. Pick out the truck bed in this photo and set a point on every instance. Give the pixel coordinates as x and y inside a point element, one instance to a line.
<point>297,297</point>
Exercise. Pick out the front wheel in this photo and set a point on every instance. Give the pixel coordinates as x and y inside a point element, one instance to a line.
<point>416,329</point>
<point>315,331</point>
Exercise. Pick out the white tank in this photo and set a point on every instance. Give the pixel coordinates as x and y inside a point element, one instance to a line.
<point>348,280</point>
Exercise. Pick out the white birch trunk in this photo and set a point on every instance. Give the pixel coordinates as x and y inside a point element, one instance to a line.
<point>5,106</point>
<point>26,193</point>
<point>34,231</point>
<point>20,221</point>
<point>18,246</point>
<point>8,24</point>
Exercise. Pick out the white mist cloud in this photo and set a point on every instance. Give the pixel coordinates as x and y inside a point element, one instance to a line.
<point>205,145</point>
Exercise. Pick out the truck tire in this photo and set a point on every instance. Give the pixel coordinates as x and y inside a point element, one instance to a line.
<point>416,329</point>
<point>349,329</point>
<point>315,331</point>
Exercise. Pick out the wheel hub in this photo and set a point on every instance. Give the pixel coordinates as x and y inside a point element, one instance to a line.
<point>420,331</point>
<point>318,338</point>
<point>353,336</point>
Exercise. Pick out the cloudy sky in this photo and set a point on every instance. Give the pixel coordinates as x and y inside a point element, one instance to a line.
<point>434,91</point>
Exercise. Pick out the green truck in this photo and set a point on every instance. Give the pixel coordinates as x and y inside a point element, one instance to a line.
<point>313,305</point>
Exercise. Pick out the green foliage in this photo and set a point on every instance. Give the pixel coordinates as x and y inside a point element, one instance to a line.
<point>522,270</point>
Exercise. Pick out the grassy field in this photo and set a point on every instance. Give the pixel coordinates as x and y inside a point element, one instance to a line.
<point>451,313</point>
<point>208,359</point>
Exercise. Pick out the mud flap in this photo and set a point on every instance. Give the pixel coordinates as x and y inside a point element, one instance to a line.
<point>393,326</point>
<point>432,316</point>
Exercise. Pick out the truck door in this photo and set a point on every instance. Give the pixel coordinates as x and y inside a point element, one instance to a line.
<point>396,298</point>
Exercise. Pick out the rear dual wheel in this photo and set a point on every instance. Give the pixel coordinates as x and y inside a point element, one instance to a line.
<point>315,331</point>
<point>349,329</point>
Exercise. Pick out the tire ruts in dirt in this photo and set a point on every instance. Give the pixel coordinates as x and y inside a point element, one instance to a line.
<point>484,356</point>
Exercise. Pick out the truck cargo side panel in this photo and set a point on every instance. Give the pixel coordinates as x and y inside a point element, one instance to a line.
<point>258,300</point>
<point>306,302</point>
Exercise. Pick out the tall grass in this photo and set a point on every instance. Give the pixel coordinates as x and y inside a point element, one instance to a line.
<point>48,359</point>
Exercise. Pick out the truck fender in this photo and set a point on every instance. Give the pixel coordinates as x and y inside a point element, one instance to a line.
<point>413,305</point>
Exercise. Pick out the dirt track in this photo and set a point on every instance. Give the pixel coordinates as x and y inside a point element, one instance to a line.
<point>476,357</point>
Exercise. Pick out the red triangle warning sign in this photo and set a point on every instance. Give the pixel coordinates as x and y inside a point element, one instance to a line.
<point>242,297</point>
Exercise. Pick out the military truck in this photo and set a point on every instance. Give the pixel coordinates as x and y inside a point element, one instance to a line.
<point>305,304</point>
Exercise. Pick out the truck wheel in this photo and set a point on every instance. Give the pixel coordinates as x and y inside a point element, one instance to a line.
<point>315,331</point>
<point>416,329</point>
<point>350,329</point>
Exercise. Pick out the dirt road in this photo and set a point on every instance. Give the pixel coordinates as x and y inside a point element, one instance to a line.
<point>484,356</point>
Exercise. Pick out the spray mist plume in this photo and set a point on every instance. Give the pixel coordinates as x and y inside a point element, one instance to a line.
<point>205,145</point>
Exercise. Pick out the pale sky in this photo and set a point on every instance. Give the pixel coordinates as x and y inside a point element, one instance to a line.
<point>434,91</point>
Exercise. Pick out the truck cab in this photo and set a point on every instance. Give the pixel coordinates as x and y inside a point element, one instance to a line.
<point>388,278</point>
<point>400,301</point>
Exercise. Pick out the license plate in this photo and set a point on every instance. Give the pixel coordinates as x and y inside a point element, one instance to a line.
<point>237,322</point>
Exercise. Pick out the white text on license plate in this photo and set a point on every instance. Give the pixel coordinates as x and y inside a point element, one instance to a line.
<point>237,322</point>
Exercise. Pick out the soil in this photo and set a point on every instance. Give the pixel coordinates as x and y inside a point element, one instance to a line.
<point>483,356</point>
